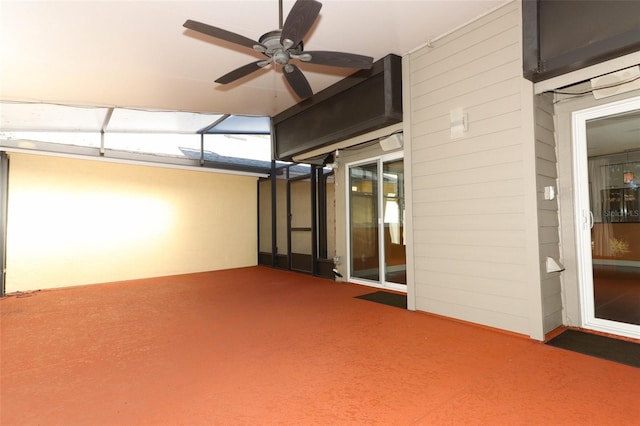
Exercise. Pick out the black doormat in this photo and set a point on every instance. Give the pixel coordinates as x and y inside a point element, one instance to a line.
<point>622,351</point>
<point>386,298</point>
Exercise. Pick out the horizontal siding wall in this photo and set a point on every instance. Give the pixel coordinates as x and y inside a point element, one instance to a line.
<point>548,221</point>
<point>469,216</point>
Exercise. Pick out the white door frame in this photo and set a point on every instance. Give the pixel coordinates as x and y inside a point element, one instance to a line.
<point>379,160</point>
<point>584,218</point>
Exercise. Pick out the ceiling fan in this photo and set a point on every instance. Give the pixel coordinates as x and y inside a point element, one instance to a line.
<point>283,45</point>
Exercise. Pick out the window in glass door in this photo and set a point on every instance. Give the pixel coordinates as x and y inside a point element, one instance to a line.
<point>363,184</point>
<point>395,257</point>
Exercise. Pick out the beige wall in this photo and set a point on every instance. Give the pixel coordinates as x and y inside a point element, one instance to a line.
<point>548,220</point>
<point>474,199</point>
<point>74,222</point>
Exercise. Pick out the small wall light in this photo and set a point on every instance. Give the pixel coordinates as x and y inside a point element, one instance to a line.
<point>627,177</point>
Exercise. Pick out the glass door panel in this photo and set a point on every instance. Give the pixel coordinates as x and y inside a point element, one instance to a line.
<point>395,258</point>
<point>301,238</point>
<point>614,202</point>
<point>363,221</point>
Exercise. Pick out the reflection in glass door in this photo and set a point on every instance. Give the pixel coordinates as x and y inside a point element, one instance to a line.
<point>395,256</point>
<point>363,221</point>
<point>610,276</point>
<point>376,223</point>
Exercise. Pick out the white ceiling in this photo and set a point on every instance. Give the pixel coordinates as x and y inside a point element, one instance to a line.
<point>136,54</point>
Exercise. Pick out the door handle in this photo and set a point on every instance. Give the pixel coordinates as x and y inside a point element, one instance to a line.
<point>590,219</point>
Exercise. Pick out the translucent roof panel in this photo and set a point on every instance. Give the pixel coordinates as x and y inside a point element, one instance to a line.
<point>239,142</point>
<point>37,117</point>
<point>139,121</point>
<point>164,144</point>
<point>242,125</point>
<point>254,147</point>
<point>85,139</point>
<point>50,117</point>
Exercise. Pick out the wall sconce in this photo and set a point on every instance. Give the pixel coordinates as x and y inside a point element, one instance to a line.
<point>459,123</point>
<point>392,142</point>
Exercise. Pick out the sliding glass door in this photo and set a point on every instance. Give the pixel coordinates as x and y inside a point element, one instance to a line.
<point>377,253</point>
<point>608,212</point>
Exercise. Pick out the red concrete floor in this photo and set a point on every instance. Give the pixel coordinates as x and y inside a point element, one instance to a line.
<point>257,346</point>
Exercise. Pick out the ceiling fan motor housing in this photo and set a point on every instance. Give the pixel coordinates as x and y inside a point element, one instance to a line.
<point>275,49</point>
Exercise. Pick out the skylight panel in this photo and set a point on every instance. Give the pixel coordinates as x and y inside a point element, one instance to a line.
<point>50,118</point>
<point>163,144</point>
<point>242,125</point>
<point>139,121</point>
<point>251,147</point>
<point>83,139</point>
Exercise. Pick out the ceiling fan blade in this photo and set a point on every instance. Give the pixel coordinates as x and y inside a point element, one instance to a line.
<point>221,34</point>
<point>299,21</point>
<point>297,81</point>
<point>339,59</point>
<point>241,72</point>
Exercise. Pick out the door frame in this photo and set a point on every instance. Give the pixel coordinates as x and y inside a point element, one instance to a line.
<point>584,219</point>
<point>381,283</point>
<point>4,198</point>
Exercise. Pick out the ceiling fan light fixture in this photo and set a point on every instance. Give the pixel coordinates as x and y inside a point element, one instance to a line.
<point>287,44</point>
<point>281,57</point>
